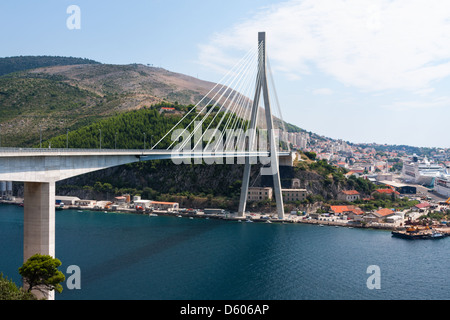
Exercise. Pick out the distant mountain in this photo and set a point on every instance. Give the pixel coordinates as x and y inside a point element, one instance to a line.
<point>21,63</point>
<point>56,98</point>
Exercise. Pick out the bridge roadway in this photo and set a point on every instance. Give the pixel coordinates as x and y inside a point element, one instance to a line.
<point>51,165</point>
<point>40,169</point>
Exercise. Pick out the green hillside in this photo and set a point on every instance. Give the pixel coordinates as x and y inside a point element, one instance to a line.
<point>126,130</point>
<point>70,93</point>
<point>28,105</point>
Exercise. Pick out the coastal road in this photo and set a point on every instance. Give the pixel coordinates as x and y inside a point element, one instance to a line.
<point>435,197</point>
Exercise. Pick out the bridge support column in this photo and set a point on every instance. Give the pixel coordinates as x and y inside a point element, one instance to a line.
<point>244,189</point>
<point>39,223</point>
<point>261,85</point>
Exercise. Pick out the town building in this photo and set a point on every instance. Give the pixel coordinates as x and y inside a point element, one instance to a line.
<point>293,194</point>
<point>349,195</point>
<point>295,183</point>
<point>166,206</point>
<point>386,192</point>
<point>167,110</point>
<point>379,215</point>
<point>122,199</point>
<point>400,187</point>
<point>421,207</point>
<point>142,205</point>
<point>67,201</point>
<point>85,203</point>
<point>259,194</point>
<point>352,212</point>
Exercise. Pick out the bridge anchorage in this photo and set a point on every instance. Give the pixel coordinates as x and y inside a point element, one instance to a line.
<point>245,132</point>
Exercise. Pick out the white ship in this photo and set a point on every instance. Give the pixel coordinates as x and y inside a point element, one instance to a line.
<point>421,172</point>
<point>442,185</point>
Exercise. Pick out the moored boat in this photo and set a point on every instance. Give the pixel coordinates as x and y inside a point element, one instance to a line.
<point>415,233</point>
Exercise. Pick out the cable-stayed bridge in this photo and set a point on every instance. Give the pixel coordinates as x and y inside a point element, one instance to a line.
<point>232,124</point>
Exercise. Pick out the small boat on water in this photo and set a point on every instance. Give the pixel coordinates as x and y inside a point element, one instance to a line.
<point>437,235</point>
<point>152,215</point>
<point>268,221</point>
<point>248,220</point>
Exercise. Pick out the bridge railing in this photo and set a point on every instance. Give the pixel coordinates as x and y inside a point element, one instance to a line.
<point>53,150</point>
<point>144,154</point>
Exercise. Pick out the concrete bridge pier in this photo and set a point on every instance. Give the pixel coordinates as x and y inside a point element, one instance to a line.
<point>39,223</point>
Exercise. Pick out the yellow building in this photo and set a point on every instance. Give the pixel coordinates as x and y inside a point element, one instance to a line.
<point>293,194</point>
<point>259,193</point>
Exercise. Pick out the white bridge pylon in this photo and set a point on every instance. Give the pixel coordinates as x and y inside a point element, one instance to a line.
<point>241,124</point>
<point>262,87</point>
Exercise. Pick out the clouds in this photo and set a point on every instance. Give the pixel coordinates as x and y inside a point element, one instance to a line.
<point>435,102</point>
<point>367,44</point>
<point>322,91</point>
<point>358,62</point>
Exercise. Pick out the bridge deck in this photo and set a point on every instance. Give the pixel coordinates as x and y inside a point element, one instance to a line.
<point>35,152</point>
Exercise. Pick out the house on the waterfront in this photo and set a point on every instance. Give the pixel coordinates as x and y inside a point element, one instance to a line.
<point>165,206</point>
<point>379,215</point>
<point>352,212</point>
<point>142,205</point>
<point>67,201</point>
<point>85,203</point>
<point>123,199</point>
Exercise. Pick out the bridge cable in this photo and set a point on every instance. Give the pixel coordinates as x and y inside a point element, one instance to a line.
<point>206,95</point>
<point>277,103</point>
<point>236,92</point>
<point>238,107</point>
<point>183,144</point>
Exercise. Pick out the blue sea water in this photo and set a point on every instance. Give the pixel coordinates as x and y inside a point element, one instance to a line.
<point>130,256</point>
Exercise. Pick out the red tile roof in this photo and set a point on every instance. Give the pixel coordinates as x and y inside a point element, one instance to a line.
<point>385,212</point>
<point>343,209</point>
<point>350,192</point>
<point>422,205</point>
<point>387,191</point>
<point>162,202</point>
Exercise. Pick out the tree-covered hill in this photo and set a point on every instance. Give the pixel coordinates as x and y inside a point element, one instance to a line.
<point>136,129</point>
<point>21,63</point>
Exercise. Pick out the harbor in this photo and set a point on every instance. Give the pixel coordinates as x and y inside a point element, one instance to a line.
<point>398,230</point>
<point>137,256</point>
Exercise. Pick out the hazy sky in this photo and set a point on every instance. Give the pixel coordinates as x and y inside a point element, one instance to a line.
<point>358,70</point>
